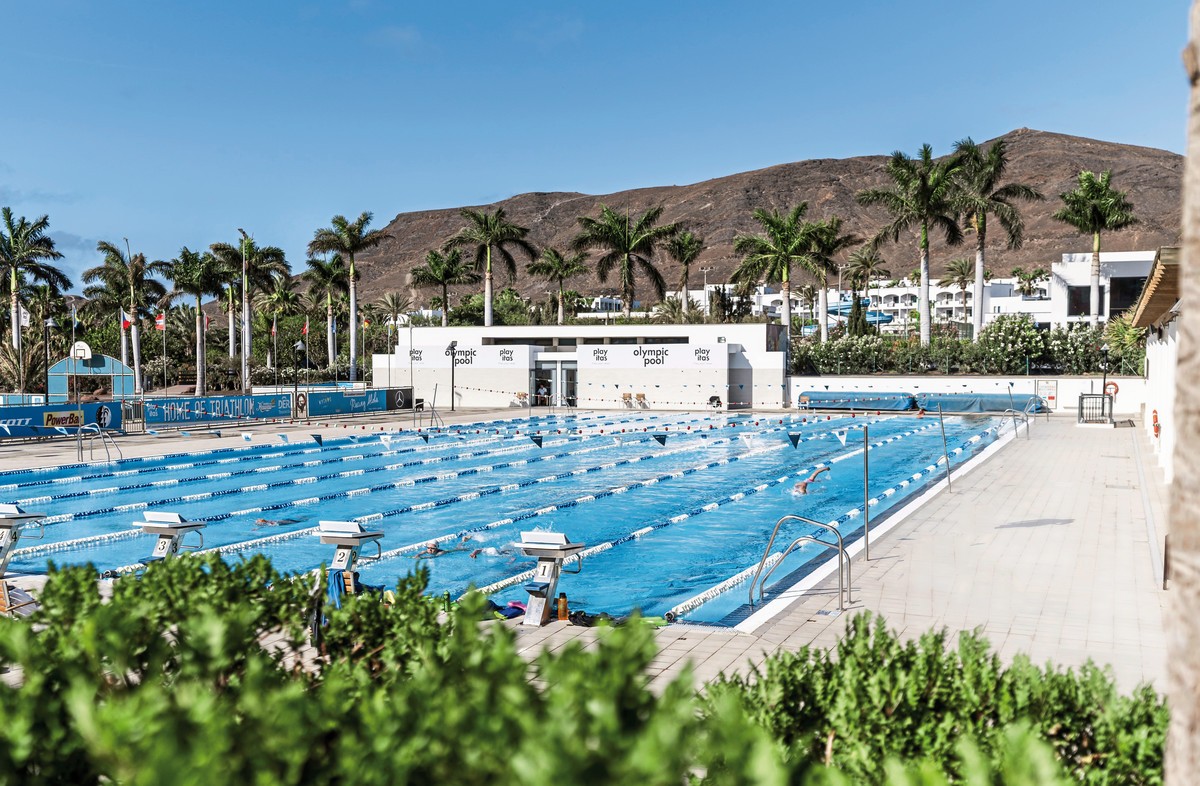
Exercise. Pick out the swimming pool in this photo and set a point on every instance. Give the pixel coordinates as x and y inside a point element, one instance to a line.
<point>673,507</point>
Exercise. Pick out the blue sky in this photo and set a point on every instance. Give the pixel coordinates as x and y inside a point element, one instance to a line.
<point>173,123</point>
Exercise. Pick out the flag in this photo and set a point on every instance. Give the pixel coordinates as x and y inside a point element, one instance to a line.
<point>125,322</point>
<point>305,331</point>
<point>272,327</point>
<point>366,323</point>
<point>160,322</point>
<point>206,321</point>
<point>24,317</point>
<point>75,323</point>
<point>333,326</point>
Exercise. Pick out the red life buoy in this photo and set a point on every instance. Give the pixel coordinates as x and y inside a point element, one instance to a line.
<point>1157,428</point>
<point>1111,389</point>
<point>1155,418</point>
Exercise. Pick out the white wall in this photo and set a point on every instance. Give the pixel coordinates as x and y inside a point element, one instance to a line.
<point>1129,400</point>
<point>1161,356</point>
<point>1075,270</point>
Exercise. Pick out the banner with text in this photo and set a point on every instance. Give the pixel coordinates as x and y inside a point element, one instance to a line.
<point>519,356</point>
<point>53,419</point>
<point>346,402</point>
<point>625,356</point>
<point>217,409</point>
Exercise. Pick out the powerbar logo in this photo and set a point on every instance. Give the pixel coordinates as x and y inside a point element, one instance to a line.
<point>64,419</point>
<point>652,357</point>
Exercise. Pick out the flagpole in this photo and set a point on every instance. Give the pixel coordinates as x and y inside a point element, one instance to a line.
<point>164,319</point>
<point>74,361</point>
<point>275,348</point>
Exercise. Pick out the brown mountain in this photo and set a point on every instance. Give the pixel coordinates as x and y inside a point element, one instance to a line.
<point>719,209</point>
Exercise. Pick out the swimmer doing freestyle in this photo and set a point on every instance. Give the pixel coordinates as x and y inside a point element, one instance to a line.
<point>802,486</point>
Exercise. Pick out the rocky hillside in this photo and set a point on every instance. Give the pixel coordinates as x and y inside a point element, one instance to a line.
<point>719,209</point>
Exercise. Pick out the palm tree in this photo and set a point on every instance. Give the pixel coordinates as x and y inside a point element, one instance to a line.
<point>1094,207</point>
<point>348,238</point>
<point>980,195</point>
<point>684,247</point>
<point>392,306</point>
<point>553,266</point>
<point>769,257</point>
<point>865,265</point>
<point>960,273</point>
<point>444,271</point>
<point>484,234</point>
<point>1028,280</point>
<point>24,248</point>
<point>262,263</point>
<point>196,274</point>
<point>327,278</point>
<point>808,296</point>
<point>281,299</point>
<point>827,241</point>
<point>122,273</point>
<point>921,197</point>
<point>628,245</point>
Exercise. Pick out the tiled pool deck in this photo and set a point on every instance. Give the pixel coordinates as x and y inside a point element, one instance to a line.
<point>1051,547</point>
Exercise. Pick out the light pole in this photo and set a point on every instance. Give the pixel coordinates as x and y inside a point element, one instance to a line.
<point>453,362</point>
<point>50,323</point>
<point>1104,368</point>
<point>707,299</point>
<point>245,318</point>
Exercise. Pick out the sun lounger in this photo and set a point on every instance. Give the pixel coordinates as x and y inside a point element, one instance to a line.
<point>16,602</point>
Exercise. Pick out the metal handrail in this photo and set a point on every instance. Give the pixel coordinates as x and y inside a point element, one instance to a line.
<point>841,547</point>
<point>1023,416</point>
<point>842,591</point>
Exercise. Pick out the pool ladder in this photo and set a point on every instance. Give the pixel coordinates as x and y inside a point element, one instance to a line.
<point>845,582</point>
<point>1024,415</point>
<point>106,440</point>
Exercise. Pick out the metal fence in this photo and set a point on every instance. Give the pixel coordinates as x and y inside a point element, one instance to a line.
<point>1095,408</point>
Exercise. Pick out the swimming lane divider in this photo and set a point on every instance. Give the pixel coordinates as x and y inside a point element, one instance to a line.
<point>285,536</point>
<point>711,506</point>
<point>698,600</point>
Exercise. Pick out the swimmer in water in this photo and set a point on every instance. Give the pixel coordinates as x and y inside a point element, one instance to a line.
<point>275,522</point>
<point>802,486</point>
<point>432,549</point>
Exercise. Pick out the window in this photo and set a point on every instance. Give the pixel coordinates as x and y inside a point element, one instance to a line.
<point>1079,301</point>
<point>1125,294</point>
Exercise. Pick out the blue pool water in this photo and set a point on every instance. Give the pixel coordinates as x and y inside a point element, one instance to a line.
<point>668,521</point>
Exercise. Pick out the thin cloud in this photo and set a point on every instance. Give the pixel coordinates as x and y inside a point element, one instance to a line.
<point>15,196</point>
<point>550,32</point>
<point>403,38</point>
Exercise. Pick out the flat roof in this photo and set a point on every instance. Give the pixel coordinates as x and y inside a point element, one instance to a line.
<point>1161,291</point>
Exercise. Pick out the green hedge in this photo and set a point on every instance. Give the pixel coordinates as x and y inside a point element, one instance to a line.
<point>1008,345</point>
<point>168,682</point>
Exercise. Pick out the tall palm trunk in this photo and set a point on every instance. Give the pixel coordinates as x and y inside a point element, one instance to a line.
<point>1094,293</point>
<point>786,314</point>
<point>487,293</point>
<point>923,304</point>
<point>980,266</point>
<point>446,305</point>
<point>823,308</point>
<point>199,348</point>
<point>561,312</point>
<point>232,333</point>
<point>1183,636</point>
<point>14,310</point>
<point>330,346</point>
<point>353,321</point>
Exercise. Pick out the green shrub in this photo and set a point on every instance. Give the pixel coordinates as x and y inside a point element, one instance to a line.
<point>169,682</point>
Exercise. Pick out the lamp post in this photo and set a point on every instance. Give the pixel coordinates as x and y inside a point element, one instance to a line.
<point>297,348</point>
<point>245,318</point>
<point>1104,368</point>
<point>50,323</point>
<point>453,362</point>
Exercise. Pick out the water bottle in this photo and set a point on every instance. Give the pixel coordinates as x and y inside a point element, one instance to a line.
<point>563,615</point>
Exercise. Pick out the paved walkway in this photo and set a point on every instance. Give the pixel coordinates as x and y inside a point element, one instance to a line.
<point>1052,547</point>
<point>1047,547</point>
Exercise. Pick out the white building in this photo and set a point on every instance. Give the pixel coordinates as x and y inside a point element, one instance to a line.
<point>592,366</point>
<point>1157,310</point>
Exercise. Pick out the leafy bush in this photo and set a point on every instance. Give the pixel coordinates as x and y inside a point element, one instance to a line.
<point>169,682</point>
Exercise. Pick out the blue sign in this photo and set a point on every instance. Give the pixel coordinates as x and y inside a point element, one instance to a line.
<point>51,419</point>
<point>348,402</point>
<point>217,409</point>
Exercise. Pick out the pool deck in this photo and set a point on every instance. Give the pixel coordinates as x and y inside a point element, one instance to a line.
<point>1051,548</point>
